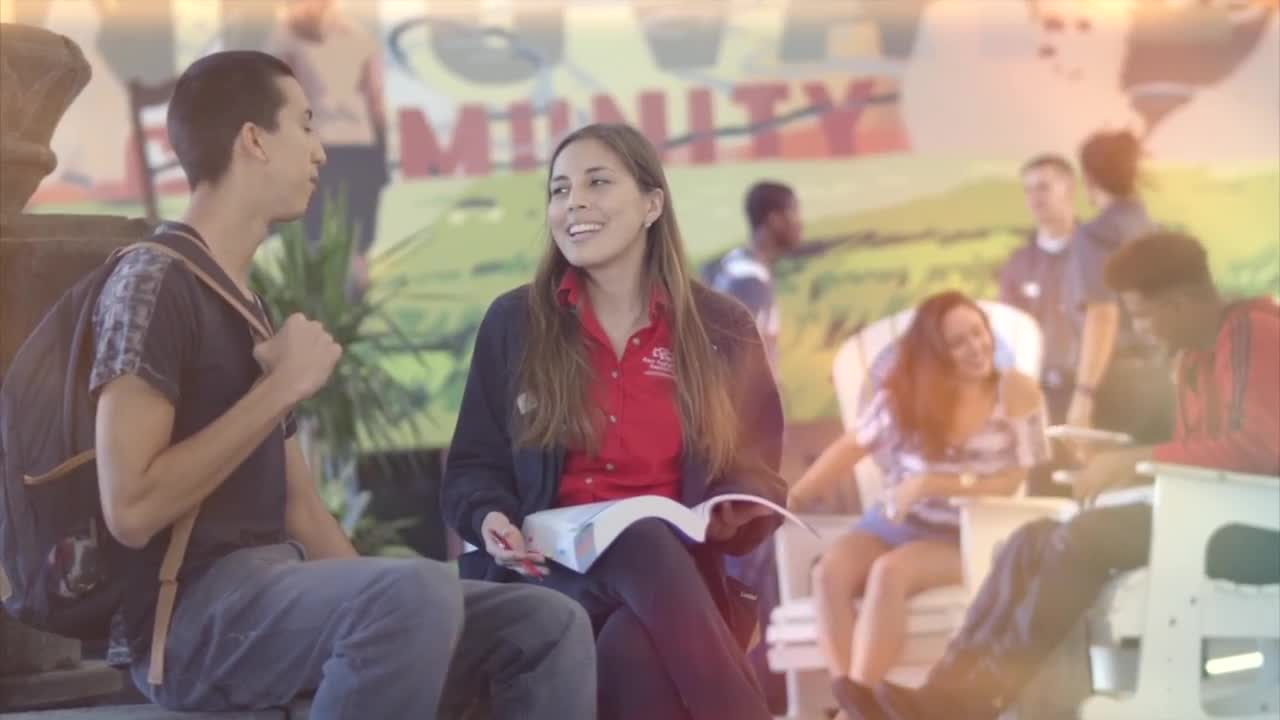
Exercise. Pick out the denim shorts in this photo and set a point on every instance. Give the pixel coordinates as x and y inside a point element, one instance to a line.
<point>894,533</point>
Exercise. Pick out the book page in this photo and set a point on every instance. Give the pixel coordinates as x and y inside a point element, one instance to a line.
<point>704,509</point>
<point>610,523</point>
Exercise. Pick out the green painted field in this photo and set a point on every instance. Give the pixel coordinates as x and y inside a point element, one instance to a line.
<point>889,230</point>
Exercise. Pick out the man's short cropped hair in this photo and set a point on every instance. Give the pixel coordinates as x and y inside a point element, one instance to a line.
<point>212,101</point>
<point>1050,160</point>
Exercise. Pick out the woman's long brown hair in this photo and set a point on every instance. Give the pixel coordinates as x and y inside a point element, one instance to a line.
<point>555,372</point>
<point>922,387</point>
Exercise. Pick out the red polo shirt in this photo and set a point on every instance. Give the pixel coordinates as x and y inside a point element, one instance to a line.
<point>641,442</point>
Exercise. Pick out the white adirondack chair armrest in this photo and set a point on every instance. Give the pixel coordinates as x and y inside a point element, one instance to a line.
<point>1207,475</point>
<point>987,521</point>
<point>1050,506</point>
<point>1138,494</point>
<point>1191,503</point>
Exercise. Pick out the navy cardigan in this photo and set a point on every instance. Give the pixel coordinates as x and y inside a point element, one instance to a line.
<point>487,471</point>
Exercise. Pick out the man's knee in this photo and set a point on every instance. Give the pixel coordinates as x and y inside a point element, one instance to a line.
<point>1107,539</point>
<point>422,589</point>
<point>553,618</point>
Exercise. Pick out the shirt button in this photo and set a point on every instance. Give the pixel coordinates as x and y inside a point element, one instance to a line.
<point>635,341</point>
<point>588,481</point>
<point>613,374</point>
<point>613,418</point>
<point>609,467</point>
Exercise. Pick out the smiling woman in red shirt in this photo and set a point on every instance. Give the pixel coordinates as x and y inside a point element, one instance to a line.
<point>615,374</point>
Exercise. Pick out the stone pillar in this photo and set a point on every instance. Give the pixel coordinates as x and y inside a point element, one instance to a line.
<point>41,256</point>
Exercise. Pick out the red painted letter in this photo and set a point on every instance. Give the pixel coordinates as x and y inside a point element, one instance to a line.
<point>759,100</point>
<point>422,156</point>
<point>840,122</point>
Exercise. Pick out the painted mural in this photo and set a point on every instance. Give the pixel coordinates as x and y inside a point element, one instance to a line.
<point>901,125</point>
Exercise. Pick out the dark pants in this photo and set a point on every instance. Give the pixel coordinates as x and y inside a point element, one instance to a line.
<point>663,649</point>
<point>1044,580</point>
<point>353,175</point>
<point>758,570</point>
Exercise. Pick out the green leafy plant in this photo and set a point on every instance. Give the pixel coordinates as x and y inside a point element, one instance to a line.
<point>362,399</point>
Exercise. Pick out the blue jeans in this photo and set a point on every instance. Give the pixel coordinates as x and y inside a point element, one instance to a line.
<point>373,638</point>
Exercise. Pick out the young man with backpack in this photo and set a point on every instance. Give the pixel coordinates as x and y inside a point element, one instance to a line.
<point>193,416</point>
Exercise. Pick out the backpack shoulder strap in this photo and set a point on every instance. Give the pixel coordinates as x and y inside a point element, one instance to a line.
<point>222,287</point>
<point>180,534</point>
<point>179,537</point>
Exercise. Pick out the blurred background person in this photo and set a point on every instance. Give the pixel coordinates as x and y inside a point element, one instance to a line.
<point>746,273</point>
<point>947,422</point>
<point>339,64</point>
<point>1121,382</point>
<point>1033,277</point>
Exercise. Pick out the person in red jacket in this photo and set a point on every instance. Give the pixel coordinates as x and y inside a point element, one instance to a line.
<point>1050,573</point>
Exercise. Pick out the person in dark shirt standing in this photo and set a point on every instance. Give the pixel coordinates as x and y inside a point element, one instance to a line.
<point>339,64</point>
<point>192,414</point>
<point>1048,574</point>
<point>1121,382</point>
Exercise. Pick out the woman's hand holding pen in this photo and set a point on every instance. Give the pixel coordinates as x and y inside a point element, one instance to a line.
<point>505,543</point>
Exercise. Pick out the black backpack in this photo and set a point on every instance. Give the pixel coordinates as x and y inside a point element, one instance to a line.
<point>56,555</point>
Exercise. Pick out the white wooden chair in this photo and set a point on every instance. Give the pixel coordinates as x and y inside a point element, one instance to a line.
<point>1166,642</point>
<point>861,364</point>
<point>1189,630</point>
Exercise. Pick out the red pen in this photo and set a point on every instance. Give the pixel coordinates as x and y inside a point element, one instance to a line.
<point>525,563</point>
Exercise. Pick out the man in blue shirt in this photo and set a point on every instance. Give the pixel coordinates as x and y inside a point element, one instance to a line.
<point>746,272</point>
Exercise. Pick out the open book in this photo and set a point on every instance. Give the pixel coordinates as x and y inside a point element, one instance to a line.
<point>576,536</point>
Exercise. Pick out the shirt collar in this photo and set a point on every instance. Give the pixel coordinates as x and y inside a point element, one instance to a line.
<point>572,293</point>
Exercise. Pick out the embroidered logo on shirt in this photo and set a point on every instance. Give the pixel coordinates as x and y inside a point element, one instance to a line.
<point>661,362</point>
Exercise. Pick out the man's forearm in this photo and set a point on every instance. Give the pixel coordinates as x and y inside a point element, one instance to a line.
<point>311,524</point>
<point>183,475</point>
